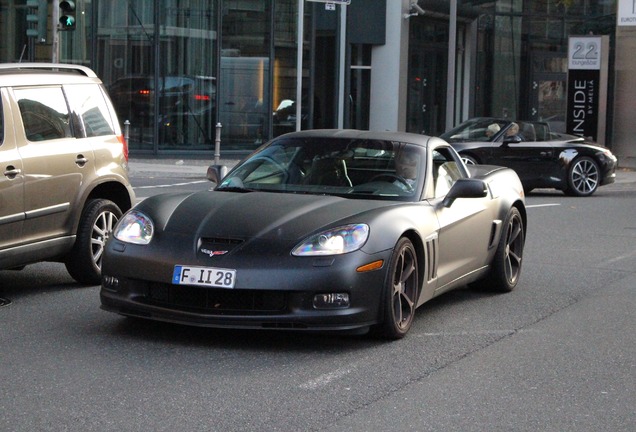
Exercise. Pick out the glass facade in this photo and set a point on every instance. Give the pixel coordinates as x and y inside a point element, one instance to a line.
<point>177,68</point>
<point>517,52</point>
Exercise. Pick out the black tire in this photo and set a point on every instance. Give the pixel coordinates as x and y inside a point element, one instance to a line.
<point>401,291</point>
<point>84,263</point>
<point>583,177</point>
<point>506,265</point>
<point>469,160</point>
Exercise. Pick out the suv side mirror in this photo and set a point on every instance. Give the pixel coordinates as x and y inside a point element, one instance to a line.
<point>465,188</point>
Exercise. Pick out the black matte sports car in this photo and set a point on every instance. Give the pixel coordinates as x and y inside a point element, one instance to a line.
<point>541,158</point>
<point>319,231</point>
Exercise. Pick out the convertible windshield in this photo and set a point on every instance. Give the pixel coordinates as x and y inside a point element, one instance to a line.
<point>334,166</point>
<point>479,129</point>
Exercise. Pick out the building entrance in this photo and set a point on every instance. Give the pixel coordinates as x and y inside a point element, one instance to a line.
<point>548,89</point>
<point>428,66</point>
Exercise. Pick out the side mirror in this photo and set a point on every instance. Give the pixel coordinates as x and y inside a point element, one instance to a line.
<point>465,188</point>
<point>514,139</point>
<point>216,173</point>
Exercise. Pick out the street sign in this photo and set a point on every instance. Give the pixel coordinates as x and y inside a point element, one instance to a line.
<point>587,86</point>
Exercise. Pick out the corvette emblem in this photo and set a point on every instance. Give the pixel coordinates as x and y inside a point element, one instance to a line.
<point>212,253</point>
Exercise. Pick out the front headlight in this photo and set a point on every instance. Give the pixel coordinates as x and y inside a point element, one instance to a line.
<point>335,241</point>
<point>135,227</point>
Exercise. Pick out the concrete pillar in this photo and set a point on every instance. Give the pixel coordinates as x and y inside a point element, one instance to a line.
<point>389,72</point>
<point>624,126</point>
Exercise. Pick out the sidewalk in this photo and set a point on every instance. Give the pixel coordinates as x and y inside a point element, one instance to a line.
<point>182,168</point>
<point>197,168</point>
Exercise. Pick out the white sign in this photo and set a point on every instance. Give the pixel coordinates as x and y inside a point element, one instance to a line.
<point>584,52</point>
<point>626,15</point>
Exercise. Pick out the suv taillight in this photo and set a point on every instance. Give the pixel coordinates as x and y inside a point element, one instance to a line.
<point>124,144</point>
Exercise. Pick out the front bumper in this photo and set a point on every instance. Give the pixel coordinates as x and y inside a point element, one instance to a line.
<point>269,294</point>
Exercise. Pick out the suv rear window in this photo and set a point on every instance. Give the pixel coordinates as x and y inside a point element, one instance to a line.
<point>88,103</point>
<point>44,113</point>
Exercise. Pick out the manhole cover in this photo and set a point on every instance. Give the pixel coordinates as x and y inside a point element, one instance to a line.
<point>4,302</point>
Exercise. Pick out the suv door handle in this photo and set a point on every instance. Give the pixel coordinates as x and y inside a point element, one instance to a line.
<point>12,172</point>
<point>81,160</point>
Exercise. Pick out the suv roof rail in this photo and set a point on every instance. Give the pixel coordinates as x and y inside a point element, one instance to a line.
<point>49,67</point>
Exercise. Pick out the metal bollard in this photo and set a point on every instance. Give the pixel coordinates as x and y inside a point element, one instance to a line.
<point>126,130</point>
<point>217,144</point>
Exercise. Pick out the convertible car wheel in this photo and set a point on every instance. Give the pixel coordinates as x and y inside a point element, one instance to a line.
<point>468,160</point>
<point>85,260</point>
<point>401,291</point>
<point>506,266</point>
<point>583,177</point>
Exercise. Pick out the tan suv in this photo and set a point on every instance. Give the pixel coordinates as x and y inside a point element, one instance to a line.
<point>64,179</point>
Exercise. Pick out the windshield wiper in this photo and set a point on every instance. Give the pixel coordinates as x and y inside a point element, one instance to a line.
<point>234,189</point>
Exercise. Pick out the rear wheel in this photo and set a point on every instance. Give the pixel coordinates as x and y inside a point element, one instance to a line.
<point>84,263</point>
<point>401,291</point>
<point>506,265</point>
<point>583,177</point>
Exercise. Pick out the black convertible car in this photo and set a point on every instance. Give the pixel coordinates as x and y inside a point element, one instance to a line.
<point>541,158</point>
<point>319,231</point>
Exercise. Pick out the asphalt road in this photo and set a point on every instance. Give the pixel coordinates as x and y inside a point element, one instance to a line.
<point>556,354</point>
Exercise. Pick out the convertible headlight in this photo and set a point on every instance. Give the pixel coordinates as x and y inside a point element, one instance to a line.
<point>335,241</point>
<point>135,227</point>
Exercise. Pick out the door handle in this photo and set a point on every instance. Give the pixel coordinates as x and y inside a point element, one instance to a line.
<point>11,172</point>
<point>81,160</point>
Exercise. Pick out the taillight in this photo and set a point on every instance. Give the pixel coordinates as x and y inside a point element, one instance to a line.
<point>124,144</point>
<point>202,97</point>
<point>144,92</point>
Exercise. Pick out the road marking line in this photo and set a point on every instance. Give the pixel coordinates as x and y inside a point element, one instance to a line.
<point>543,205</point>
<point>472,333</point>
<point>618,258</point>
<point>324,379</point>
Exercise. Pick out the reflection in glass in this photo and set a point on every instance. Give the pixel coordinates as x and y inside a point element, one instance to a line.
<point>244,100</point>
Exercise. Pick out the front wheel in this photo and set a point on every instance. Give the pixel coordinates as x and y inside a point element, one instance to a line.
<point>583,177</point>
<point>401,290</point>
<point>84,263</point>
<point>469,160</point>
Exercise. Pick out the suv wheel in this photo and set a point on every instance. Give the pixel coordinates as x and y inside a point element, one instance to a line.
<point>84,263</point>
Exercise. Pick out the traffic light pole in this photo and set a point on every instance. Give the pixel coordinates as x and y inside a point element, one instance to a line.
<point>55,46</point>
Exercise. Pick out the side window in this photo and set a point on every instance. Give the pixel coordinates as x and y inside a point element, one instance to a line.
<point>89,106</point>
<point>446,171</point>
<point>44,113</point>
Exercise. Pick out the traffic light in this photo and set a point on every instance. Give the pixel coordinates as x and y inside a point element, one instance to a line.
<point>67,15</point>
<point>37,17</point>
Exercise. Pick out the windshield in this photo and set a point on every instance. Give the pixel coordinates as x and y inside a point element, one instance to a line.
<point>332,166</point>
<point>479,129</point>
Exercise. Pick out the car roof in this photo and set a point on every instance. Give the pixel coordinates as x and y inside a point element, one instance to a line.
<point>17,74</point>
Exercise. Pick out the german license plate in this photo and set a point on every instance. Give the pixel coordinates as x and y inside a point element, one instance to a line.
<point>204,276</point>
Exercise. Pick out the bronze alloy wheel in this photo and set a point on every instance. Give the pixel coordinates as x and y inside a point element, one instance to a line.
<point>513,251</point>
<point>401,291</point>
<point>506,265</point>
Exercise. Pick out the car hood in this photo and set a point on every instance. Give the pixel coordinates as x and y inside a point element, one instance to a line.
<point>254,214</point>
